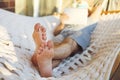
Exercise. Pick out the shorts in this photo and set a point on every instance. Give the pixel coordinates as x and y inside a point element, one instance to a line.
<point>68,30</point>
<point>82,37</point>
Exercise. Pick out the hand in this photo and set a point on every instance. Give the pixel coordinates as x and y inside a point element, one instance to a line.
<point>64,17</point>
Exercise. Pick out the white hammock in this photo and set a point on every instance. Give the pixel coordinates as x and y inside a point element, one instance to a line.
<point>16,49</point>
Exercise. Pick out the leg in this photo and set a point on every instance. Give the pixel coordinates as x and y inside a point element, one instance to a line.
<point>40,58</point>
<point>65,48</point>
<point>39,36</point>
<point>69,45</point>
<point>44,59</point>
<point>79,41</point>
<point>44,54</point>
<point>56,62</point>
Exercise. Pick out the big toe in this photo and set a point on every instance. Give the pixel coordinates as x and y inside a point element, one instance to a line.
<point>37,27</point>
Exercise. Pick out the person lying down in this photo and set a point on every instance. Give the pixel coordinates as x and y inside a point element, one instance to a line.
<point>48,54</point>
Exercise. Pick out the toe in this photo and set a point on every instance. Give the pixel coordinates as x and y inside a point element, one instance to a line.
<point>50,44</point>
<point>44,44</point>
<point>40,50</point>
<point>44,37</point>
<point>43,29</point>
<point>37,27</point>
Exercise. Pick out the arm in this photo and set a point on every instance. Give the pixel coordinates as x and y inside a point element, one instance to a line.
<point>58,29</point>
<point>61,26</point>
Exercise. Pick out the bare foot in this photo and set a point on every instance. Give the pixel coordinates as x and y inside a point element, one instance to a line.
<point>39,36</point>
<point>44,59</point>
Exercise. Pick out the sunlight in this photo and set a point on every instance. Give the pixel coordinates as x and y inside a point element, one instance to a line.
<point>54,24</point>
<point>24,36</point>
<point>59,5</point>
<point>36,8</point>
<point>6,72</point>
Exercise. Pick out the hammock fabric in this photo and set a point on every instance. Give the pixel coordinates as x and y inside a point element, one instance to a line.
<point>16,48</point>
